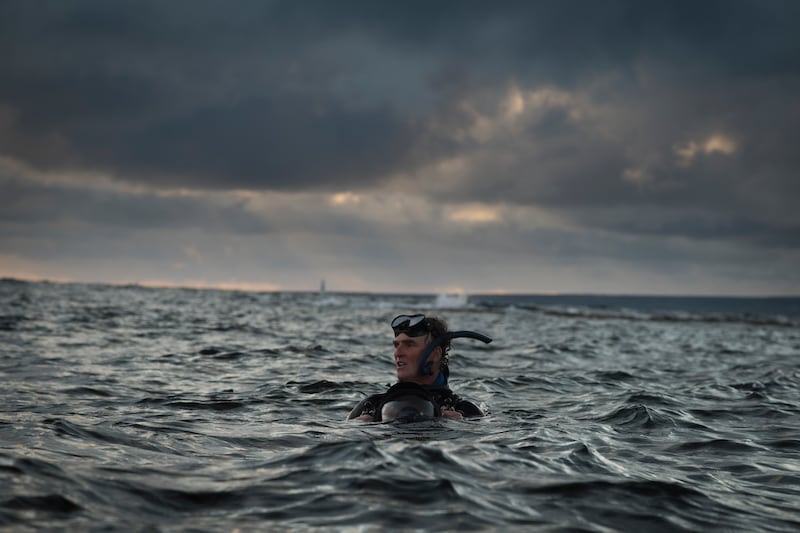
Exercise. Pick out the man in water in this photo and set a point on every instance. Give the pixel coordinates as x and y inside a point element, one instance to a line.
<point>421,346</point>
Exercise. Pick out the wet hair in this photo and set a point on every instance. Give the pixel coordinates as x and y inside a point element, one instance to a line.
<point>438,329</point>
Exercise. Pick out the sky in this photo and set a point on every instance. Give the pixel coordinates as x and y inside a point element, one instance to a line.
<point>606,147</point>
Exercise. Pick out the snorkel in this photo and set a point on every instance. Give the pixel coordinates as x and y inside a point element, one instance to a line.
<point>425,366</point>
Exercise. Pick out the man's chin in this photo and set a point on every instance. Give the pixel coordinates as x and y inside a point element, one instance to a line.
<point>403,375</point>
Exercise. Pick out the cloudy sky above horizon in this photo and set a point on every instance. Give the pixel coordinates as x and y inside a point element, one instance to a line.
<point>572,146</point>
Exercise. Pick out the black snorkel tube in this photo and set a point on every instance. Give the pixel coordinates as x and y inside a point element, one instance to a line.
<point>425,366</point>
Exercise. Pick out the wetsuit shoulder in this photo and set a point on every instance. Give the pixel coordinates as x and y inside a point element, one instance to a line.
<point>467,408</point>
<point>367,406</point>
<point>447,399</point>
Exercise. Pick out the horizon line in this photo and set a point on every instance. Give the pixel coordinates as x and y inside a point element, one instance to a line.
<point>243,287</point>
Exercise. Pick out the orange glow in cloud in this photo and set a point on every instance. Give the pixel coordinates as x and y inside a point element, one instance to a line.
<point>345,198</point>
<point>15,267</point>
<point>219,285</point>
<point>475,215</point>
<point>717,143</point>
<point>721,144</point>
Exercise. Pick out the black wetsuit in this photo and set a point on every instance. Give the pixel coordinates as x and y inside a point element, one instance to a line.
<point>442,396</point>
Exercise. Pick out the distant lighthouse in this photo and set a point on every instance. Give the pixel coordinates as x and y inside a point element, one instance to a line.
<point>322,286</point>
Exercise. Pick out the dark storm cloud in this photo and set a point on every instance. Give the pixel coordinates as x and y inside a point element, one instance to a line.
<point>288,95</point>
<point>245,94</point>
<point>26,203</point>
<point>186,94</point>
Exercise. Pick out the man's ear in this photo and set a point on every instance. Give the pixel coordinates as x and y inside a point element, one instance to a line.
<point>436,354</point>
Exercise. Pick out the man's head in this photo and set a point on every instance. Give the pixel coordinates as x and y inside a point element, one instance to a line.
<point>412,335</point>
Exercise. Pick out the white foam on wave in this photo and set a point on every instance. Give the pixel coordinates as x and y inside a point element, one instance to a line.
<point>450,300</point>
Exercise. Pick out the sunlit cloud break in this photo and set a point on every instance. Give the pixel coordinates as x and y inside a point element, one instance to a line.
<point>717,143</point>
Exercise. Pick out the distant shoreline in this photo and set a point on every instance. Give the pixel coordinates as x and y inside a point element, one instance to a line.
<point>477,294</point>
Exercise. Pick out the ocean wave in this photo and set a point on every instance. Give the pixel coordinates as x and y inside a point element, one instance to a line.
<point>145,414</point>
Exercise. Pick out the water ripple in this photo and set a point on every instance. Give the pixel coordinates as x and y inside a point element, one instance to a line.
<point>168,410</point>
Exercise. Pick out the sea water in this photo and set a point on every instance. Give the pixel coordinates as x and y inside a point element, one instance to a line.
<point>129,408</point>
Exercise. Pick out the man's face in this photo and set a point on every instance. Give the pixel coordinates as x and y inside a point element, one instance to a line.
<point>407,351</point>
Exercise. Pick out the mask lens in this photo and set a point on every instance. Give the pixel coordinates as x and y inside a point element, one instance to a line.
<point>412,325</point>
<point>407,321</point>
